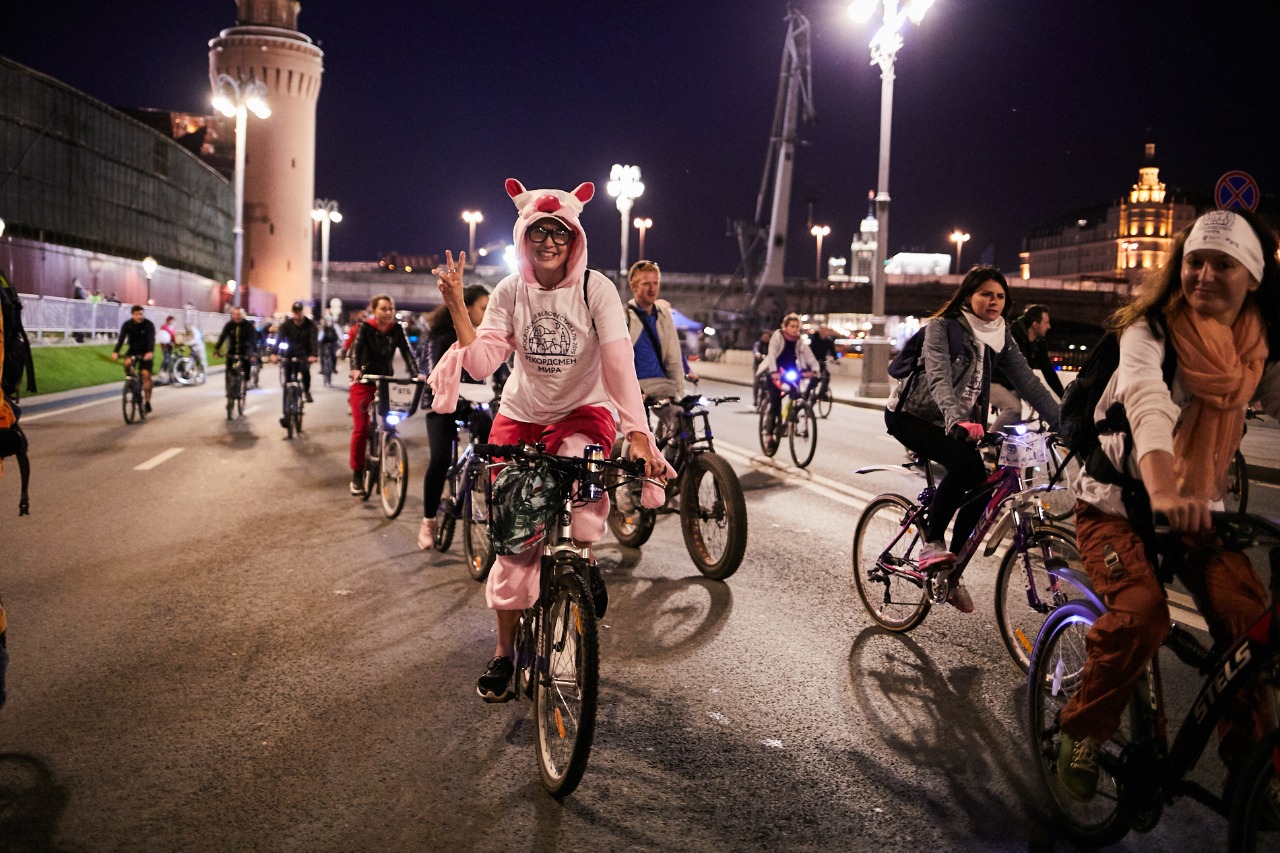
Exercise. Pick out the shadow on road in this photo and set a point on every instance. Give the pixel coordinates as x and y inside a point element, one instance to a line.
<point>31,803</point>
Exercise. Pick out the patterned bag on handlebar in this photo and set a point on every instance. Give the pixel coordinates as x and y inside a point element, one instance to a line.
<point>525,501</point>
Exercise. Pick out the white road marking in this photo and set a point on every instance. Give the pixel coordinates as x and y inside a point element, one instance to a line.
<point>159,459</point>
<point>50,414</point>
<point>825,486</point>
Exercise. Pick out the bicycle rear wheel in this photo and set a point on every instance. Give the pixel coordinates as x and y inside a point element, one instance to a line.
<point>565,694</point>
<point>891,587</point>
<point>475,530</point>
<point>1255,806</point>
<point>713,516</point>
<point>630,523</point>
<point>393,476</point>
<point>1018,621</point>
<point>803,435</point>
<point>1055,675</point>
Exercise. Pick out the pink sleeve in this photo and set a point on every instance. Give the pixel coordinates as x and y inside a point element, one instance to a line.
<point>444,381</point>
<point>618,362</point>
<point>490,348</point>
<point>480,358</point>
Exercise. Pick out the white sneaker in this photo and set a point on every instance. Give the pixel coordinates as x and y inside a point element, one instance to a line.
<point>427,534</point>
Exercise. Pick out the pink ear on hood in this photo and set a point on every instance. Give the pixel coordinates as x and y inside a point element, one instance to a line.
<point>585,192</point>
<point>514,187</point>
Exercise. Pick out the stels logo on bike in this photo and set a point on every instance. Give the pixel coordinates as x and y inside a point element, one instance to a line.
<point>1227,674</point>
<point>550,342</point>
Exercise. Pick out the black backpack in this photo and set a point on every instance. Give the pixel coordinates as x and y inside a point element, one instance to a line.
<point>909,360</point>
<point>17,347</point>
<point>1078,430</point>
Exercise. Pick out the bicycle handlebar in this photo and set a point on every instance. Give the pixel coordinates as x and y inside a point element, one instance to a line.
<point>633,467</point>
<point>1238,530</point>
<point>369,378</point>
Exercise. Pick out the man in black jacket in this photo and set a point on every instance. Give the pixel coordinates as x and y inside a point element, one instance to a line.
<point>1029,331</point>
<point>297,337</point>
<point>140,335</point>
<point>241,339</point>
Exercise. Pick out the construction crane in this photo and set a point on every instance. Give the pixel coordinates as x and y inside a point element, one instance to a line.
<point>763,242</point>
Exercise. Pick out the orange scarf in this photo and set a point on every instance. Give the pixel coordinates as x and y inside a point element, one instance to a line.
<point>1220,367</point>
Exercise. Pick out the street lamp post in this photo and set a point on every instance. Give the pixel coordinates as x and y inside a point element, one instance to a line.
<point>644,224</point>
<point>149,266</point>
<point>472,218</point>
<point>236,98</point>
<point>959,238</point>
<point>624,185</point>
<point>325,212</point>
<point>819,231</point>
<point>884,49</point>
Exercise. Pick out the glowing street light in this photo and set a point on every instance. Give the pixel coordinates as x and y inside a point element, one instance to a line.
<point>236,98</point>
<point>644,224</point>
<point>325,212</point>
<point>884,49</point>
<point>624,185</point>
<point>959,238</point>
<point>472,217</point>
<point>149,266</point>
<point>819,231</point>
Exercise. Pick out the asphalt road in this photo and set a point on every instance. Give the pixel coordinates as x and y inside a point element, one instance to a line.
<point>215,647</point>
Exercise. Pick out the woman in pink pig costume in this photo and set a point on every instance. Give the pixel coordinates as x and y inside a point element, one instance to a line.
<point>573,369</point>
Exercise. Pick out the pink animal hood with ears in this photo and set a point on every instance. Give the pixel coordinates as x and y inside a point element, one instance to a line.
<point>557,204</point>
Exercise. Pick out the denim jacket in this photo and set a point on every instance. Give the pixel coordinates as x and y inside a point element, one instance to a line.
<point>936,396</point>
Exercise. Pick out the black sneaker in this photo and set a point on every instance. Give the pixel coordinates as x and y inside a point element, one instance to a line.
<point>284,423</point>
<point>599,592</point>
<point>146,407</point>
<point>495,684</point>
<point>307,397</point>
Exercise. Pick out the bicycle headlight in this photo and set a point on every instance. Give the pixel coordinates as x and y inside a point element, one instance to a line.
<point>393,418</point>
<point>791,376</point>
<point>1020,429</point>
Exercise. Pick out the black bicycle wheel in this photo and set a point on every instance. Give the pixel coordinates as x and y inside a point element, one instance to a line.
<point>803,435</point>
<point>565,694</point>
<point>393,476</point>
<point>475,529</point>
<point>526,649</point>
<point>889,584</point>
<point>768,440</point>
<point>139,400</point>
<point>446,513</point>
<point>128,402</point>
<point>290,408</point>
<point>630,523</point>
<point>713,515</point>
<point>1055,675</point>
<point>824,402</point>
<point>1255,805</point>
<point>1236,498</point>
<point>1018,621</point>
<point>233,391</point>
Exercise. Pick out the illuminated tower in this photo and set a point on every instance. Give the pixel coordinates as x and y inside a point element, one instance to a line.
<point>280,152</point>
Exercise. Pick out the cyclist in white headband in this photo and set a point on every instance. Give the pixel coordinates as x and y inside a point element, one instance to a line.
<point>1226,232</point>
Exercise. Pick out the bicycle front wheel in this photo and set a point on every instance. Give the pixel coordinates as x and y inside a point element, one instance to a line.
<point>446,515</point>
<point>129,402</point>
<point>475,529</point>
<point>565,695</point>
<point>1236,498</point>
<point>825,402</point>
<point>891,587</point>
<point>393,476</point>
<point>713,516</point>
<point>1255,806</point>
<point>1020,620</point>
<point>768,441</point>
<point>1057,665</point>
<point>233,391</point>
<point>804,435</point>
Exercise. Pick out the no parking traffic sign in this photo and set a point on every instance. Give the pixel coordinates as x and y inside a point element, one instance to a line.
<point>1235,191</point>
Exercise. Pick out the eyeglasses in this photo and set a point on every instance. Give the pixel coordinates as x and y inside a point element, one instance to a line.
<point>559,236</point>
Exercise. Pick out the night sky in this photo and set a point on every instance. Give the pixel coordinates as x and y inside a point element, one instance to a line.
<point>1007,113</point>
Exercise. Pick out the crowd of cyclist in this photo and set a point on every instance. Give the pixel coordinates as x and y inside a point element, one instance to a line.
<point>576,355</point>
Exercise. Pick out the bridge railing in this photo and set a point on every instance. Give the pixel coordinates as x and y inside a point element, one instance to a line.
<point>58,317</point>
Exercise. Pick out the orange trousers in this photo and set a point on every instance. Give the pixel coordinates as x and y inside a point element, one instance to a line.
<point>1227,593</point>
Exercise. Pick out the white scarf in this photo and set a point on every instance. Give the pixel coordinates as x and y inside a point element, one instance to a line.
<point>989,332</point>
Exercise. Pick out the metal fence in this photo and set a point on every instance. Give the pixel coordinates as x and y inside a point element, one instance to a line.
<point>68,319</point>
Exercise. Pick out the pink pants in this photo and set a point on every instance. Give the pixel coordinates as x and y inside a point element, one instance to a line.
<point>513,582</point>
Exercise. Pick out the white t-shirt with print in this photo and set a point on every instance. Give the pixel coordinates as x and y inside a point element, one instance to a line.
<point>557,357</point>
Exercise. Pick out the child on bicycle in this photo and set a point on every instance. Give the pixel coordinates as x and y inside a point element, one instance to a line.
<point>1217,303</point>
<point>573,360</point>
<point>442,428</point>
<point>942,414</point>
